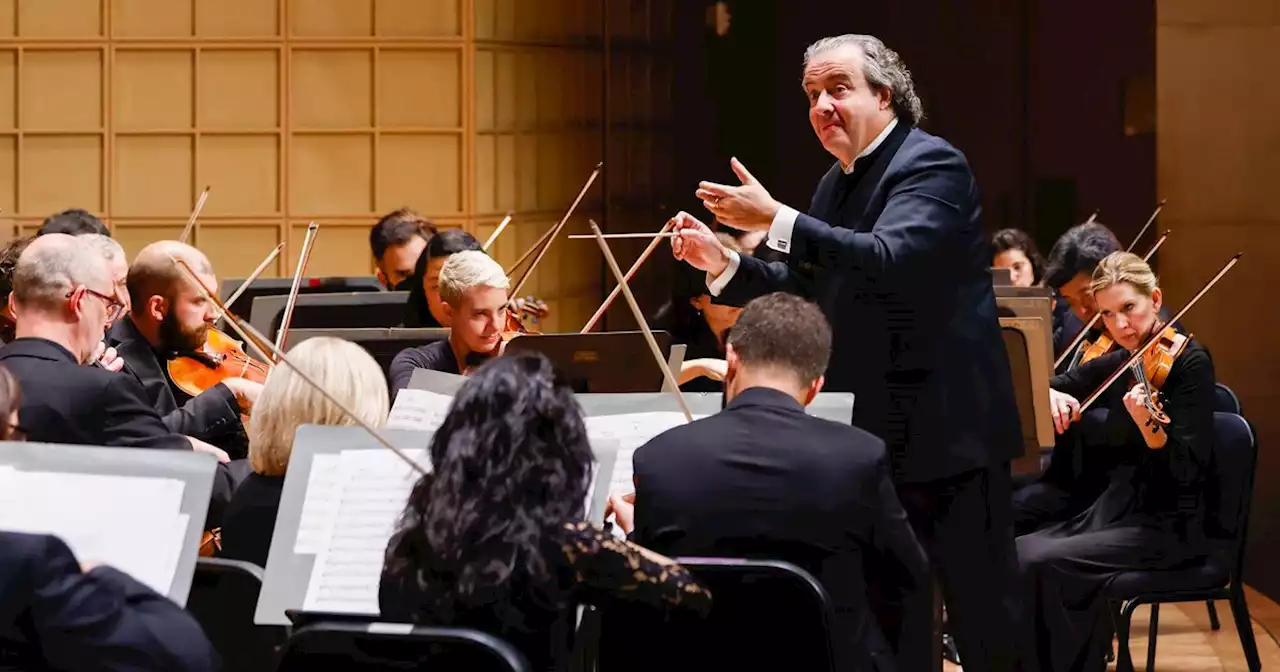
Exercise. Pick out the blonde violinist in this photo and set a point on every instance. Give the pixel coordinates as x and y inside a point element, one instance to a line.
<point>1160,424</point>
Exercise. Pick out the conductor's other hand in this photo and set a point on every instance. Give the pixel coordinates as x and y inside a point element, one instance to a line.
<point>695,244</point>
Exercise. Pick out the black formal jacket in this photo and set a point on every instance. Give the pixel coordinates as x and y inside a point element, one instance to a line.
<point>250,522</point>
<point>213,416</point>
<point>55,617</point>
<point>897,259</point>
<point>64,402</point>
<point>763,479</point>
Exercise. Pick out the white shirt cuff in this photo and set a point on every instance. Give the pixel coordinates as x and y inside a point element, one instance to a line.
<point>780,231</point>
<point>717,284</point>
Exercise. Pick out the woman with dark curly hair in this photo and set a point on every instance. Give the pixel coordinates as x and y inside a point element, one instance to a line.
<point>494,538</point>
<point>1016,251</point>
<point>9,261</point>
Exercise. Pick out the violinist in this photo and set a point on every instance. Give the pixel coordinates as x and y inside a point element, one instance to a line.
<point>8,261</point>
<point>1015,250</point>
<point>1069,273</point>
<point>1150,516</point>
<point>700,324</point>
<point>397,241</point>
<point>473,293</point>
<point>425,309</point>
<point>170,317</point>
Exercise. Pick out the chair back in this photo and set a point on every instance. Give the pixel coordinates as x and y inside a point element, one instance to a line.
<point>1229,488</point>
<point>1224,400</point>
<point>392,647</point>
<point>224,595</point>
<point>765,614</point>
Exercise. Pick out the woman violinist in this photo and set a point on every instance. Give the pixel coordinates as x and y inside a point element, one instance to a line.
<point>1151,514</point>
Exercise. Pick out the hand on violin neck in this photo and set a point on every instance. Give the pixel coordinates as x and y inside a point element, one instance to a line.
<point>246,392</point>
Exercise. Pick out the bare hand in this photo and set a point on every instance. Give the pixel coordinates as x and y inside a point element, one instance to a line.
<point>1135,401</point>
<point>107,358</point>
<point>1064,408</point>
<point>87,566</point>
<point>623,508</point>
<point>695,244</point>
<point>748,207</point>
<point>246,392</point>
<point>708,367</point>
<point>202,447</point>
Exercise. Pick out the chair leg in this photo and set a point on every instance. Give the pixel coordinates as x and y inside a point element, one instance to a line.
<point>1124,663</point>
<point>1151,637</point>
<point>1213,615</point>
<point>1244,626</point>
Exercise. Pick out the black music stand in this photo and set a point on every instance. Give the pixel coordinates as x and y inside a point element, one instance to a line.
<point>607,362</point>
<point>243,305</point>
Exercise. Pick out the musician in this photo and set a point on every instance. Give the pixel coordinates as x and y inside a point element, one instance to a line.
<point>425,309</point>
<point>8,261</point>
<point>700,324</point>
<point>64,298</point>
<point>516,564</point>
<point>397,240</point>
<point>893,251</point>
<point>1016,251</point>
<point>1151,516</point>
<point>288,401</point>
<point>764,479</point>
<point>473,293</point>
<point>73,222</point>
<point>1069,272</point>
<point>171,317</point>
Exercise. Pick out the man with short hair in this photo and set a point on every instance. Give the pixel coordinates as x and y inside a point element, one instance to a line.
<point>764,479</point>
<point>171,317</point>
<point>893,250</point>
<point>1069,272</point>
<point>397,240</point>
<point>73,222</point>
<point>473,288</point>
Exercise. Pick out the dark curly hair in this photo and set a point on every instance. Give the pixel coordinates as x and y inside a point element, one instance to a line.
<point>8,262</point>
<point>511,466</point>
<point>1017,239</point>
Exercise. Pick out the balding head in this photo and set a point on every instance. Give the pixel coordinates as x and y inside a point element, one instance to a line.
<point>53,265</point>
<point>168,309</point>
<point>153,272</point>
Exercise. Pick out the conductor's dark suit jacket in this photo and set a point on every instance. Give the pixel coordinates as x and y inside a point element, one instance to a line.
<point>64,402</point>
<point>763,479</point>
<point>896,257</point>
<point>55,617</point>
<point>213,416</point>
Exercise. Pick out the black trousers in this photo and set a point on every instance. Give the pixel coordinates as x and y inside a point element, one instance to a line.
<point>965,524</point>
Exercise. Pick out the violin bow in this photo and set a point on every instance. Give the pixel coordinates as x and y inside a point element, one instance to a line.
<point>1155,337</point>
<point>1094,320</point>
<point>653,244</point>
<point>644,326</point>
<point>269,351</point>
<point>496,232</point>
<point>303,258</point>
<point>1092,218</point>
<point>231,300</point>
<point>550,236</point>
<point>195,212</point>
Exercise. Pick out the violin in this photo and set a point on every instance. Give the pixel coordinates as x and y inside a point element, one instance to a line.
<point>221,357</point>
<point>1095,349</point>
<point>1153,369</point>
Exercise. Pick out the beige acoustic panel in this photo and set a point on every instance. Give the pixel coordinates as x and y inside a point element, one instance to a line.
<point>331,88</point>
<point>418,18</point>
<point>8,88</point>
<point>486,177</point>
<point>331,18</point>
<point>422,171</point>
<point>420,88</point>
<point>237,249</point>
<point>552,180</point>
<point>526,85</point>
<point>340,249</point>
<point>237,18</point>
<point>551,87</point>
<point>8,175</point>
<point>61,90</point>
<point>8,14</point>
<point>254,76</point>
<point>60,18</point>
<point>243,171</point>
<point>526,172</point>
<point>485,90</point>
<point>153,89</point>
<point>60,172</point>
<point>505,91</point>
<point>331,174</point>
<point>153,176</point>
<point>134,236</point>
<point>152,18</point>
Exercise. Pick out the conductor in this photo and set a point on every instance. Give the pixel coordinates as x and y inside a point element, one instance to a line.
<point>893,252</point>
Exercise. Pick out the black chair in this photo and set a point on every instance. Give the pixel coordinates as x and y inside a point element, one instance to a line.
<point>765,615</point>
<point>1228,495</point>
<point>388,647</point>
<point>1224,400</point>
<point>224,595</point>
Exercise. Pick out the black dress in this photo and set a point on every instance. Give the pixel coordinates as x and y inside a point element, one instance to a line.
<point>588,566</point>
<point>1151,516</point>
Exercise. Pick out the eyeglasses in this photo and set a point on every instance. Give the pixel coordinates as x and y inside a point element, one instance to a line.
<point>114,308</point>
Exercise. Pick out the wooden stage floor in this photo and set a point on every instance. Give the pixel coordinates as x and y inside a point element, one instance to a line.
<point>1187,643</point>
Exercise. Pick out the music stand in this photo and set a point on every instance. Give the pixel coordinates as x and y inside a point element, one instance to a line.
<point>383,344</point>
<point>348,310</point>
<point>243,305</point>
<point>1027,328</point>
<point>612,361</point>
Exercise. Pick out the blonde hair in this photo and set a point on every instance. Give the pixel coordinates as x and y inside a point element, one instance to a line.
<point>467,270</point>
<point>287,401</point>
<point>1125,267</point>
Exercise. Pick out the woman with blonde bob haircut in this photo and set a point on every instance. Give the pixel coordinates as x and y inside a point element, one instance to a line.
<point>1151,516</point>
<point>286,402</point>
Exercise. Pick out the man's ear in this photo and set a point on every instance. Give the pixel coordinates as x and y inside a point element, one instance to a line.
<point>448,310</point>
<point>156,307</point>
<point>382,277</point>
<point>886,97</point>
<point>814,388</point>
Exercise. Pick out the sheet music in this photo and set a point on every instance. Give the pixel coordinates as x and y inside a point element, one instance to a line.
<point>419,409</point>
<point>319,508</point>
<point>631,430</point>
<point>352,521</point>
<point>131,523</point>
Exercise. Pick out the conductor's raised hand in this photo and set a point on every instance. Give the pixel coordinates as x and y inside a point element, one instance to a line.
<point>748,207</point>
<point>695,244</point>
